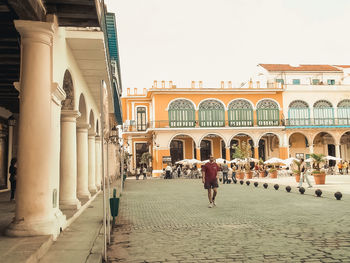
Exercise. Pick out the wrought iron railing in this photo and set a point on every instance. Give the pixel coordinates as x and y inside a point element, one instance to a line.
<point>317,122</point>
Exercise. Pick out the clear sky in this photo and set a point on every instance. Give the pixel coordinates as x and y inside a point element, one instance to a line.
<point>214,40</point>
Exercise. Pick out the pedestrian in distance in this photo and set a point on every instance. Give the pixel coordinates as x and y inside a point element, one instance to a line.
<point>210,180</point>
<point>168,172</point>
<point>144,172</point>
<point>138,171</point>
<point>224,168</point>
<point>13,177</point>
<point>303,174</point>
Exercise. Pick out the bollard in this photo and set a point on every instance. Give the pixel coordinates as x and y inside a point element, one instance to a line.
<point>114,205</point>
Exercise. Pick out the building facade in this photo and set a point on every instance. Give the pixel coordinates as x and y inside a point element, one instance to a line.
<point>284,111</point>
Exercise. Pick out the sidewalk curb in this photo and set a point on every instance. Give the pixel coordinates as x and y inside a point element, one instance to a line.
<point>42,250</point>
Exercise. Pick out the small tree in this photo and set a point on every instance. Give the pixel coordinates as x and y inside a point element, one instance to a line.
<point>317,159</point>
<point>146,158</point>
<point>243,152</point>
<point>298,165</point>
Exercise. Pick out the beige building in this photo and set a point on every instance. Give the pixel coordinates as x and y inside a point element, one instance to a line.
<point>53,83</point>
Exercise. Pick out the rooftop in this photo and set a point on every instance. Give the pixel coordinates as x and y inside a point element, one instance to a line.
<point>288,67</point>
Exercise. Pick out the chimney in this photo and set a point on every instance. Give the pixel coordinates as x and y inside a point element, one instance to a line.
<point>201,84</point>
<point>163,84</point>
<point>128,91</point>
<point>250,83</point>
<point>222,84</point>
<point>135,91</point>
<point>230,84</point>
<point>155,83</point>
<point>144,91</point>
<point>170,84</point>
<point>193,84</point>
<point>258,84</point>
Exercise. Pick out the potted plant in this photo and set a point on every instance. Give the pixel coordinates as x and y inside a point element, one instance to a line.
<point>319,176</point>
<point>243,152</point>
<point>273,172</point>
<point>297,171</point>
<point>261,172</point>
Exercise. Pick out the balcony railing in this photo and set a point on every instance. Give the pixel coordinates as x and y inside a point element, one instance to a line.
<point>318,122</point>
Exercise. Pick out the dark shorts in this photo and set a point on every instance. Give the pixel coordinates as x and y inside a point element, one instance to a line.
<point>211,184</point>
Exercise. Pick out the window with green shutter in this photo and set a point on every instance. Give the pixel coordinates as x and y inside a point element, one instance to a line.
<point>240,113</point>
<point>343,111</point>
<point>298,113</point>
<point>296,81</point>
<point>315,82</point>
<point>323,113</point>
<point>267,112</point>
<point>211,114</point>
<point>330,81</point>
<point>280,81</point>
<point>181,113</point>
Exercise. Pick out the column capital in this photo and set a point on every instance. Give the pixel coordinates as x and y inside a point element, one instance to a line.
<point>83,127</point>
<point>69,115</point>
<point>35,31</point>
<point>92,135</point>
<point>98,138</point>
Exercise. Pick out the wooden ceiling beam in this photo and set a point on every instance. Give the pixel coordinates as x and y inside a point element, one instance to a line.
<point>28,9</point>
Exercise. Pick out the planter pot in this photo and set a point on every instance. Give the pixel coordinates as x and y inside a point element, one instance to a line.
<point>261,174</point>
<point>240,175</point>
<point>273,174</point>
<point>297,177</point>
<point>320,178</point>
<point>249,175</point>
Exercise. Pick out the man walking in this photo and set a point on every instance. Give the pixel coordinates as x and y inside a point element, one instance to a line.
<point>224,168</point>
<point>210,179</point>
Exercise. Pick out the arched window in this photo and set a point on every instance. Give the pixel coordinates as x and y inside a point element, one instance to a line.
<point>240,113</point>
<point>141,118</point>
<point>323,113</point>
<point>267,113</point>
<point>181,114</point>
<point>211,114</point>
<point>298,113</point>
<point>343,110</point>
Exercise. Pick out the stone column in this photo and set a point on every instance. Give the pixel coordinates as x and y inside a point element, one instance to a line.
<point>228,157</point>
<point>35,202</point>
<point>98,160</point>
<point>311,148</point>
<point>256,152</point>
<point>337,150</point>
<point>11,124</point>
<point>92,161</point>
<point>198,153</point>
<point>82,161</point>
<point>68,164</point>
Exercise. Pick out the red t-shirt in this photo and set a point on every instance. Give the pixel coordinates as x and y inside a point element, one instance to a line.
<point>210,170</point>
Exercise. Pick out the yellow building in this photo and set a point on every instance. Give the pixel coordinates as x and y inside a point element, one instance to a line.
<point>271,113</point>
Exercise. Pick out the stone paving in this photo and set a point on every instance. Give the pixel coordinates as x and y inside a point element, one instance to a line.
<point>169,221</point>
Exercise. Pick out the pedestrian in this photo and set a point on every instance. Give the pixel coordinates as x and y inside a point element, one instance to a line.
<point>13,177</point>
<point>168,172</point>
<point>210,179</point>
<point>224,168</point>
<point>346,166</point>
<point>138,171</point>
<point>178,171</point>
<point>144,172</point>
<point>340,167</point>
<point>234,169</point>
<point>303,174</point>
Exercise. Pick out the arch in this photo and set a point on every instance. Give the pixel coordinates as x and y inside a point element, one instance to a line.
<point>268,112</point>
<point>244,102</point>
<point>322,104</point>
<point>267,104</point>
<point>184,99</point>
<point>278,136</point>
<point>315,135</point>
<point>210,133</point>
<point>269,99</point>
<point>211,99</point>
<point>68,87</point>
<point>307,137</point>
<point>92,121</point>
<point>344,104</point>
<point>178,134</point>
<point>238,133</point>
<point>82,109</point>
<point>298,104</point>
<point>97,128</point>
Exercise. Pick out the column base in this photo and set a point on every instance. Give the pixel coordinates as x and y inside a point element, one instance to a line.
<point>92,190</point>
<point>98,187</point>
<point>52,226</point>
<point>74,204</point>
<point>84,195</point>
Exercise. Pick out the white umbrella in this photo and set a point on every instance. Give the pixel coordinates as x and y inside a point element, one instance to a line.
<point>182,161</point>
<point>249,159</point>
<point>289,161</point>
<point>309,160</point>
<point>273,161</point>
<point>333,158</point>
<point>220,160</point>
<point>237,160</point>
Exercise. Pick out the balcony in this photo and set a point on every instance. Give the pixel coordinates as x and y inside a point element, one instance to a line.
<point>317,122</point>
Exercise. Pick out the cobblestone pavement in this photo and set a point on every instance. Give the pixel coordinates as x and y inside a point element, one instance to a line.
<point>169,221</point>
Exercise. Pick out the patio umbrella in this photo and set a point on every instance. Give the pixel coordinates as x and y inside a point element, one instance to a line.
<point>309,160</point>
<point>333,158</point>
<point>273,161</point>
<point>289,161</point>
<point>249,159</point>
<point>220,160</point>
<point>237,161</point>
<point>182,161</point>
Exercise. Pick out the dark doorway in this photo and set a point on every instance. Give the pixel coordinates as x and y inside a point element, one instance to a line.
<point>331,152</point>
<point>232,151</point>
<point>140,149</point>
<point>261,150</point>
<point>223,150</point>
<point>205,149</point>
<point>176,151</point>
